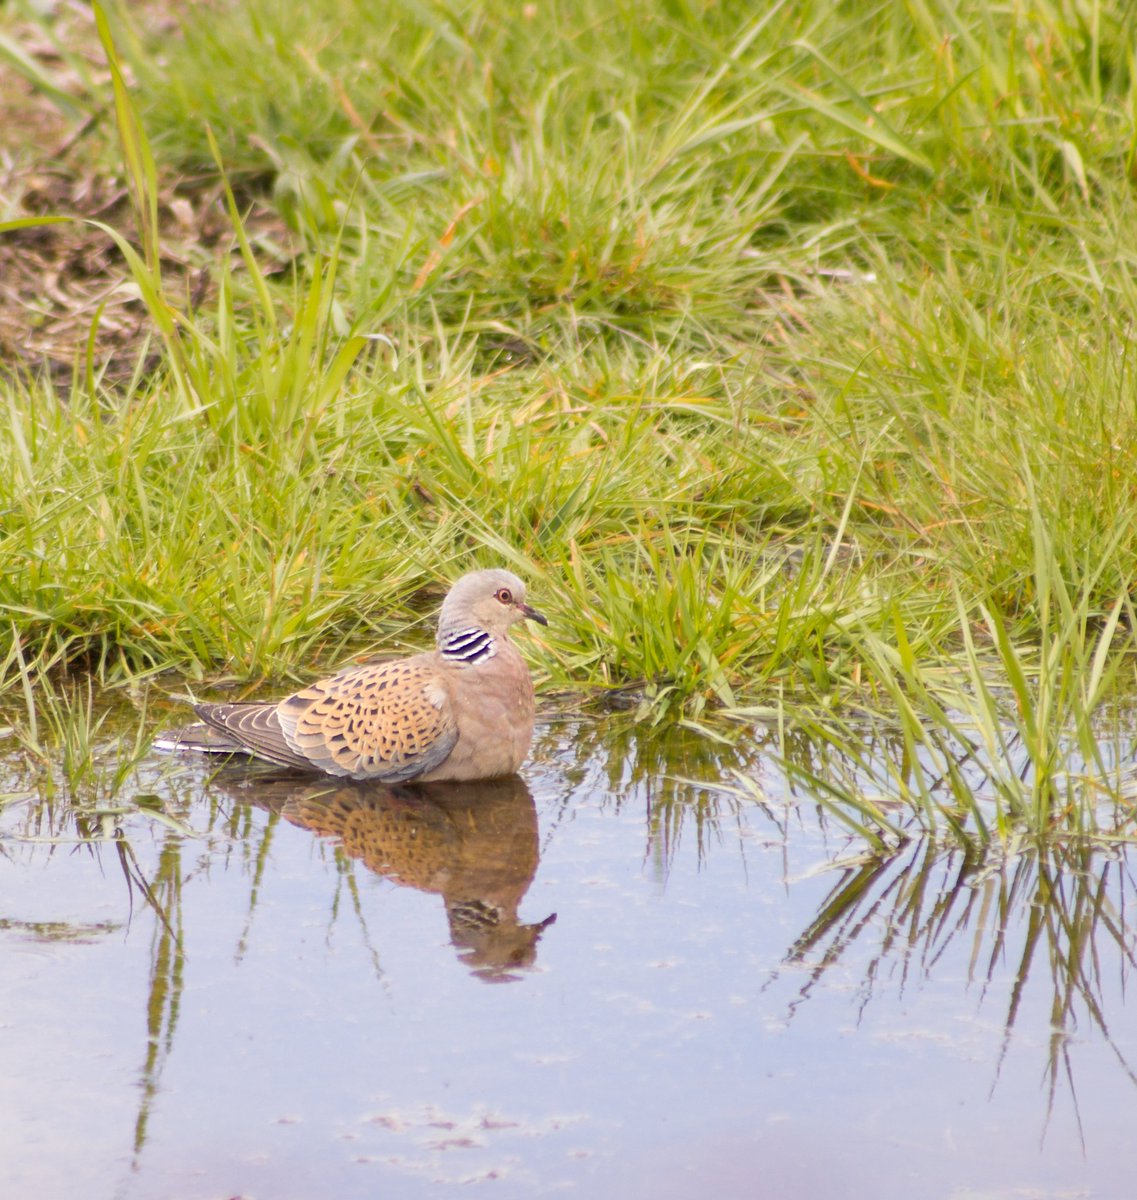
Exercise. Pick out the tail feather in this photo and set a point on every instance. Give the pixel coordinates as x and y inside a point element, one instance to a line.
<point>198,738</point>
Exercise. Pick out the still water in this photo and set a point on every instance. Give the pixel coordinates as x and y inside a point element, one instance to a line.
<point>620,975</point>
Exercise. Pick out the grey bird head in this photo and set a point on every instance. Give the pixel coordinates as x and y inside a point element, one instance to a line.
<point>491,600</point>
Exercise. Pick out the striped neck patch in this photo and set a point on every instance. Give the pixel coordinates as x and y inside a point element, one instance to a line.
<point>466,647</point>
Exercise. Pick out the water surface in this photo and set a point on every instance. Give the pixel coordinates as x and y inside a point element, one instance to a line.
<point>265,987</point>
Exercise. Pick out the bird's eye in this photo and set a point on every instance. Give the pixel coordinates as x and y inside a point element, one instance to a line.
<point>504,595</point>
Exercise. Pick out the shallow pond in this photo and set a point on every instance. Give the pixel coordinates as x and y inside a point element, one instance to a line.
<point>253,986</point>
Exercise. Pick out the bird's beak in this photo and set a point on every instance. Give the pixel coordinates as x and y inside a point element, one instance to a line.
<point>532,614</point>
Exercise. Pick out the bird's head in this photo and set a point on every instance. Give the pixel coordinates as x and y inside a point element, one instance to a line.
<point>491,600</point>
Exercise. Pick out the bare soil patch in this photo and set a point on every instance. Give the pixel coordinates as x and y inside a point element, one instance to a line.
<point>62,284</point>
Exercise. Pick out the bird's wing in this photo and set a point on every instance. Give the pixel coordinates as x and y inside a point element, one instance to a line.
<point>253,728</point>
<point>387,721</point>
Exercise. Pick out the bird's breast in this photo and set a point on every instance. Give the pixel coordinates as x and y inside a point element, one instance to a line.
<point>493,707</point>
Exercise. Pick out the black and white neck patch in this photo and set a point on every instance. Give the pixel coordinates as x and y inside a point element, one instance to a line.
<point>467,647</point>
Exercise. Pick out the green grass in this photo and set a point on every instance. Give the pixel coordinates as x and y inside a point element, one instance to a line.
<point>787,355</point>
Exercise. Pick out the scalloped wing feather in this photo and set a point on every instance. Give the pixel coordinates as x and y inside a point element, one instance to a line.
<point>389,721</point>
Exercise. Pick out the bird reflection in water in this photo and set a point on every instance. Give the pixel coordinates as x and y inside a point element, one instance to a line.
<point>474,844</point>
